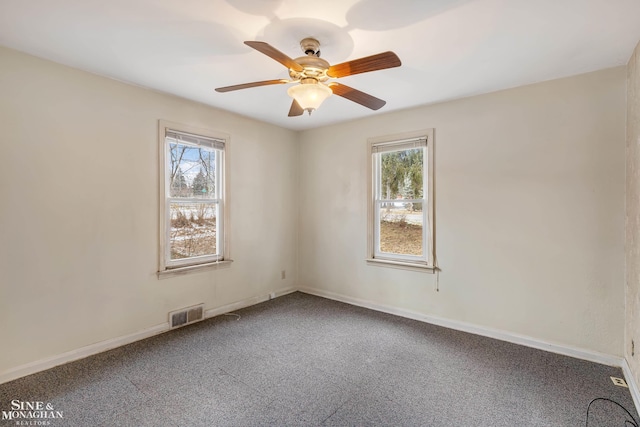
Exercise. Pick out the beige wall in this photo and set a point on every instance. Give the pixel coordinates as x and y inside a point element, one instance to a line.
<point>529,211</point>
<point>632,288</point>
<point>79,209</point>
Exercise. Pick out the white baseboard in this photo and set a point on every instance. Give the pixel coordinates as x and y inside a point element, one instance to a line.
<point>102,346</point>
<point>606,359</point>
<point>246,303</point>
<point>631,382</point>
<point>592,356</point>
<point>80,353</point>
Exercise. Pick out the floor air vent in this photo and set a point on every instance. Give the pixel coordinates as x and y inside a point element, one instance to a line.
<point>186,316</point>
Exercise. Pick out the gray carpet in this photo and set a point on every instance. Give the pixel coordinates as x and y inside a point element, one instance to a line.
<point>301,360</point>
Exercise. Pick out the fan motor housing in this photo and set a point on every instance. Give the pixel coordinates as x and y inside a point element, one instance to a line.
<point>314,68</point>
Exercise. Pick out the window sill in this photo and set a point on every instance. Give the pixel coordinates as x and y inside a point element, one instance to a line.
<point>179,271</point>
<point>402,265</point>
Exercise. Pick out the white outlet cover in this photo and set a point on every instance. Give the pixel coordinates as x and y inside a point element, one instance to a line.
<point>619,381</point>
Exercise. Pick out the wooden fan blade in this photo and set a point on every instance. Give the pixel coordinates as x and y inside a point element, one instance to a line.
<point>274,53</point>
<point>380,61</point>
<point>355,95</point>
<point>296,109</point>
<point>248,85</point>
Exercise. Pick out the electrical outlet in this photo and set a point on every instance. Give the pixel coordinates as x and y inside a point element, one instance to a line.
<point>619,381</point>
<point>272,295</point>
<point>283,274</point>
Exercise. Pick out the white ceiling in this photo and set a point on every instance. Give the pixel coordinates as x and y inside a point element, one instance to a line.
<point>449,48</point>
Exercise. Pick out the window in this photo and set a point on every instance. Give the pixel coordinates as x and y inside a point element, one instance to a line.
<point>193,192</point>
<point>401,204</point>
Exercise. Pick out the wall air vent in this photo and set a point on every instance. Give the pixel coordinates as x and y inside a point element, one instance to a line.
<point>186,316</point>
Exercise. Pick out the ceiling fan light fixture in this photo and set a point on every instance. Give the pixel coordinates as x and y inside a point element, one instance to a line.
<point>312,73</point>
<point>309,95</point>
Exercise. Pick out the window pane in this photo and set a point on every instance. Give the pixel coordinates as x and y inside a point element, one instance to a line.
<point>192,171</point>
<point>401,228</point>
<point>193,229</point>
<point>401,174</point>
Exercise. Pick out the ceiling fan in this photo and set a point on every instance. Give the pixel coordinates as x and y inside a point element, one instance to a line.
<point>311,72</point>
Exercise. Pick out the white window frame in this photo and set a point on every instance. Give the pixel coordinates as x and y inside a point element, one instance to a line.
<point>168,267</point>
<point>396,142</point>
